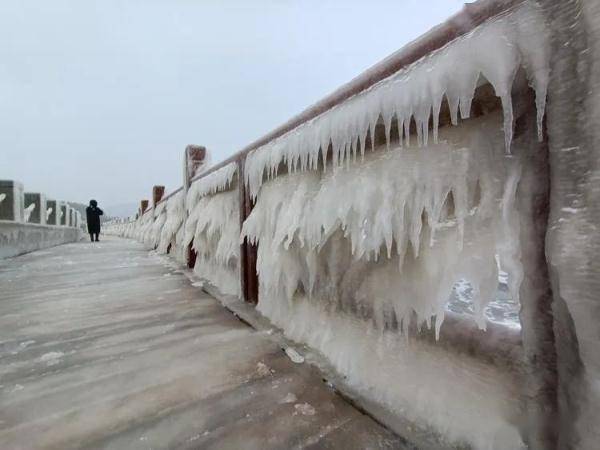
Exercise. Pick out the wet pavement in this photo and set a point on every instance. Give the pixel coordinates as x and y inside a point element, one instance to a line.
<point>106,345</point>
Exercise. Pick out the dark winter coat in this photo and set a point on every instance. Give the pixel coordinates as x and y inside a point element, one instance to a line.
<point>93,214</point>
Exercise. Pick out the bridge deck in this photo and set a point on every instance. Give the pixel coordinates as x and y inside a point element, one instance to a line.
<point>106,346</point>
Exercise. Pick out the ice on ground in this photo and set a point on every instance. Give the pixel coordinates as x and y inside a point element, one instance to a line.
<point>262,369</point>
<point>289,398</point>
<point>294,355</point>
<point>306,409</point>
<point>52,358</point>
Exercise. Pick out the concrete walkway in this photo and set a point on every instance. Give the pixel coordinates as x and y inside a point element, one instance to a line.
<point>108,346</point>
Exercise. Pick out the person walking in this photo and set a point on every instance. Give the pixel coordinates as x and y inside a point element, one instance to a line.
<point>93,214</point>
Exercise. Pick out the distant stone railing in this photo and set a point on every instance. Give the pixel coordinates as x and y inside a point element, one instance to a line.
<point>29,221</point>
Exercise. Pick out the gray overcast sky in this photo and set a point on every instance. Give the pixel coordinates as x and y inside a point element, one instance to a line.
<point>99,98</point>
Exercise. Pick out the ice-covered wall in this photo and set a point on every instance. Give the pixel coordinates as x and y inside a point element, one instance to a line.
<point>350,257</point>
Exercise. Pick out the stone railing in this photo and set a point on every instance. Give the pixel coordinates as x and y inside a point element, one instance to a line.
<point>29,221</point>
<point>428,228</point>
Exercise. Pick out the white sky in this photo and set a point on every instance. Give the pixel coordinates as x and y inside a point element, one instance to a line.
<point>98,99</point>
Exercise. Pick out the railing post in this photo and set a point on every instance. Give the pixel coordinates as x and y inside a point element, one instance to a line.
<point>62,212</point>
<point>11,203</point>
<point>143,206</point>
<point>248,252</point>
<point>193,158</point>
<point>51,218</point>
<point>37,212</point>
<point>157,194</point>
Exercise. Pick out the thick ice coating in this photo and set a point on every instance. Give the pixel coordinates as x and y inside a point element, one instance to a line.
<point>214,226</point>
<point>175,215</point>
<point>216,181</point>
<point>494,50</point>
<point>391,236</point>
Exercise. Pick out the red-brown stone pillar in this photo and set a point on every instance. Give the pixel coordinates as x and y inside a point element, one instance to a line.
<point>194,157</point>
<point>157,194</point>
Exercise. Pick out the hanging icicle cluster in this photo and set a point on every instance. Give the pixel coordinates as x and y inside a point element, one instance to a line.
<point>494,50</point>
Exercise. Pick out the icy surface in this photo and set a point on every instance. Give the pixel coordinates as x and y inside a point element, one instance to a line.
<point>494,50</point>
<point>418,221</point>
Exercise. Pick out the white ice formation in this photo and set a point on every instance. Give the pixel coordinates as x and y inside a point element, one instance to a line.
<point>27,211</point>
<point>494,50</point>
<point>215,224</point>
<point>216,181</point>
<point>417,221</point>
<point>175,215</point>
<point>354,252</point>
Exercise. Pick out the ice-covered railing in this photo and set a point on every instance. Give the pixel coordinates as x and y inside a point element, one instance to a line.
<point>359,251</point>
<point>213,228</point>
<point>494,50</point>
<point>175,216</point>
<point>370,214</point>
<point>213,182</point>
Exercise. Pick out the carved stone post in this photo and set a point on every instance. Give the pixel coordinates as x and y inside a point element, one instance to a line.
<point>11,200</point>
<point>35,207</point>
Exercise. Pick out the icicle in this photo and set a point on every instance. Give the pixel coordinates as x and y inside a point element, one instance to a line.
<point>453,101</point>
<point>540,101</point>
<point>495,48</point>
<point>400,121</point>
<point>437,105</point>
<point>388,131</point>
<point>508,121</point>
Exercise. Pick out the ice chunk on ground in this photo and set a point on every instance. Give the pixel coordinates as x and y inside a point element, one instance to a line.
<point>289,398</point>
<point>306,409</point>
<point>294,355</point>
